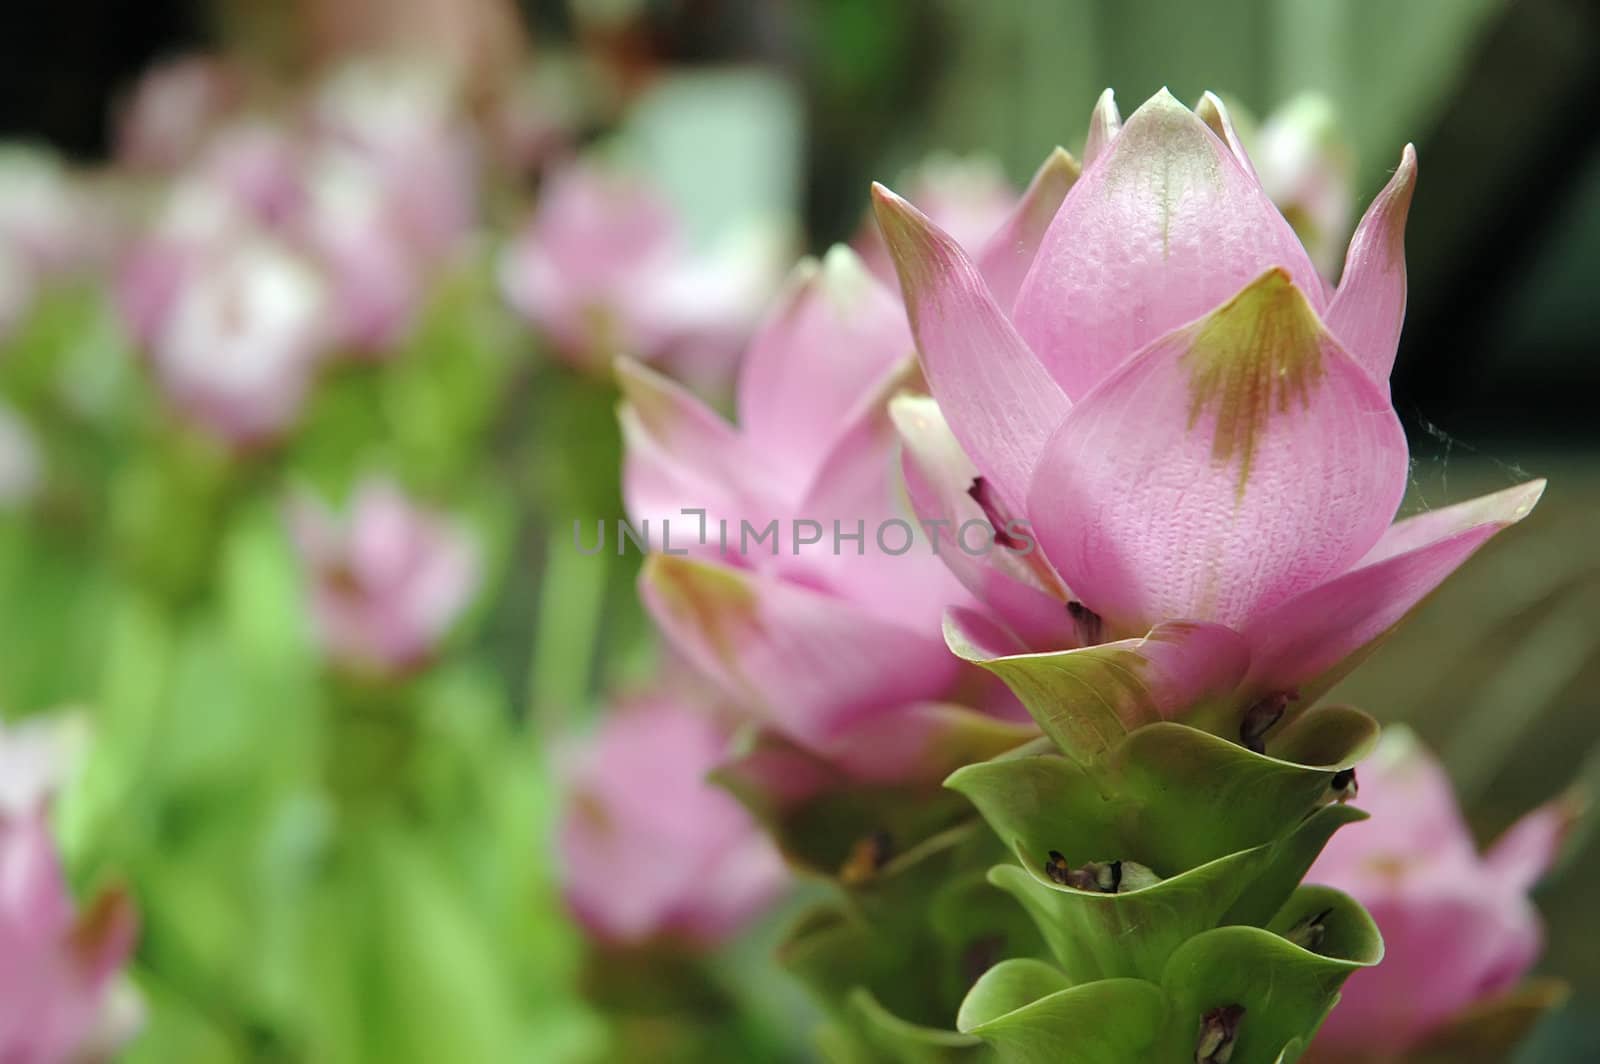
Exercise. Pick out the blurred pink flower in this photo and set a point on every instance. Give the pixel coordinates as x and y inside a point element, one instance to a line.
<point>386,583</point>
<point>234,320</point>
<point>173,109</point>
<point>603,269</point>
<point>58,967</point>
<point>42,212</point>
<point>795,632</point>
<point>258,165</point>
<point>1308,169</point>
<point>374,190</point>
<point>1457,927</point>
<point>651,849</point>
<point>1188,425</point>
<point>405,122</point>
<point>969,198</point>
<point>353,225</point>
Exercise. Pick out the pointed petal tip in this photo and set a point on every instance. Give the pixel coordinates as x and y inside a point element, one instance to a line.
<point>1523,498</point>
<point>841,273</point>
<point>628,373</point>
<point>1274,291</point>
<point>1059,165</point>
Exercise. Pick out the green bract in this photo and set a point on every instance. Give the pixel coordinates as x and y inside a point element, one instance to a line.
<point>1213,918</point>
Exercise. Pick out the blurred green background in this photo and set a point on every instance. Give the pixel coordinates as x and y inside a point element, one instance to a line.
<point>326,878</point>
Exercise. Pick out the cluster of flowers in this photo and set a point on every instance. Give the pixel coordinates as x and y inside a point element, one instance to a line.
<point>1139,359</point>
<point>249,240</point>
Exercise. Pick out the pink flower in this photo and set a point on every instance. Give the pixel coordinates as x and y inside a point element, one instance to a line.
<point>374,191</point>
<point>795,627</point>
<point>1457,927</point>
<point>651,849</point>
<point>1183,422</point>
<point>354,224</point>
<point>603,268</point>
<point>968,198</point>
<point>234,320</point>
<point>59,968</point>
<point>45,219</point>
<point>173,109</point>
<point>405,122</point>
<point>386,584</point>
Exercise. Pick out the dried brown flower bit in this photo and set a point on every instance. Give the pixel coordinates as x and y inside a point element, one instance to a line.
<point>1103,877</point>
<point>1091,629</point>
<point>1309,933</point>
<point>866,859</point>
<point>1260,717</point>
<point>1218,1029</point>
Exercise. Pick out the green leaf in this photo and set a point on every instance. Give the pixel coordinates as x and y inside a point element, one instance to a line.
<point>1290,859</point>
<point>1103,936</point>
<point>1285,990</point>
<point>1006,987</point>
<point>1169,796</point>
<point>1111,1021</point>
<point>1088,699</point>
<point>894,1039</point>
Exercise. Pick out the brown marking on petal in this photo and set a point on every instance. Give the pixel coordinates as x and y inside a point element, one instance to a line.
<point>1253,358</point>
<point>103,933</point>
<point>714,601</point>
<point>1344,785</point>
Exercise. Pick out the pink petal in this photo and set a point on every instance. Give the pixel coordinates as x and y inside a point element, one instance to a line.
<point>680,454</point>
<point>925,741</point>
<point>1160,231</point>
<point>1214,113</point>
<point>1008,253</point>
<point>1525,852</point>
<point>1370,305</point>
<point>857,491</point>
<point>1448,943</point>
<point>638,794</point>
<point>1231,465</point>
<point>808,664</point>
<point>827,343</point>
<point>1307,636</point>
<point>1105,121</point>
<point>938,478</point>
<point>1414,824</point>
<point>1000,402</point>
